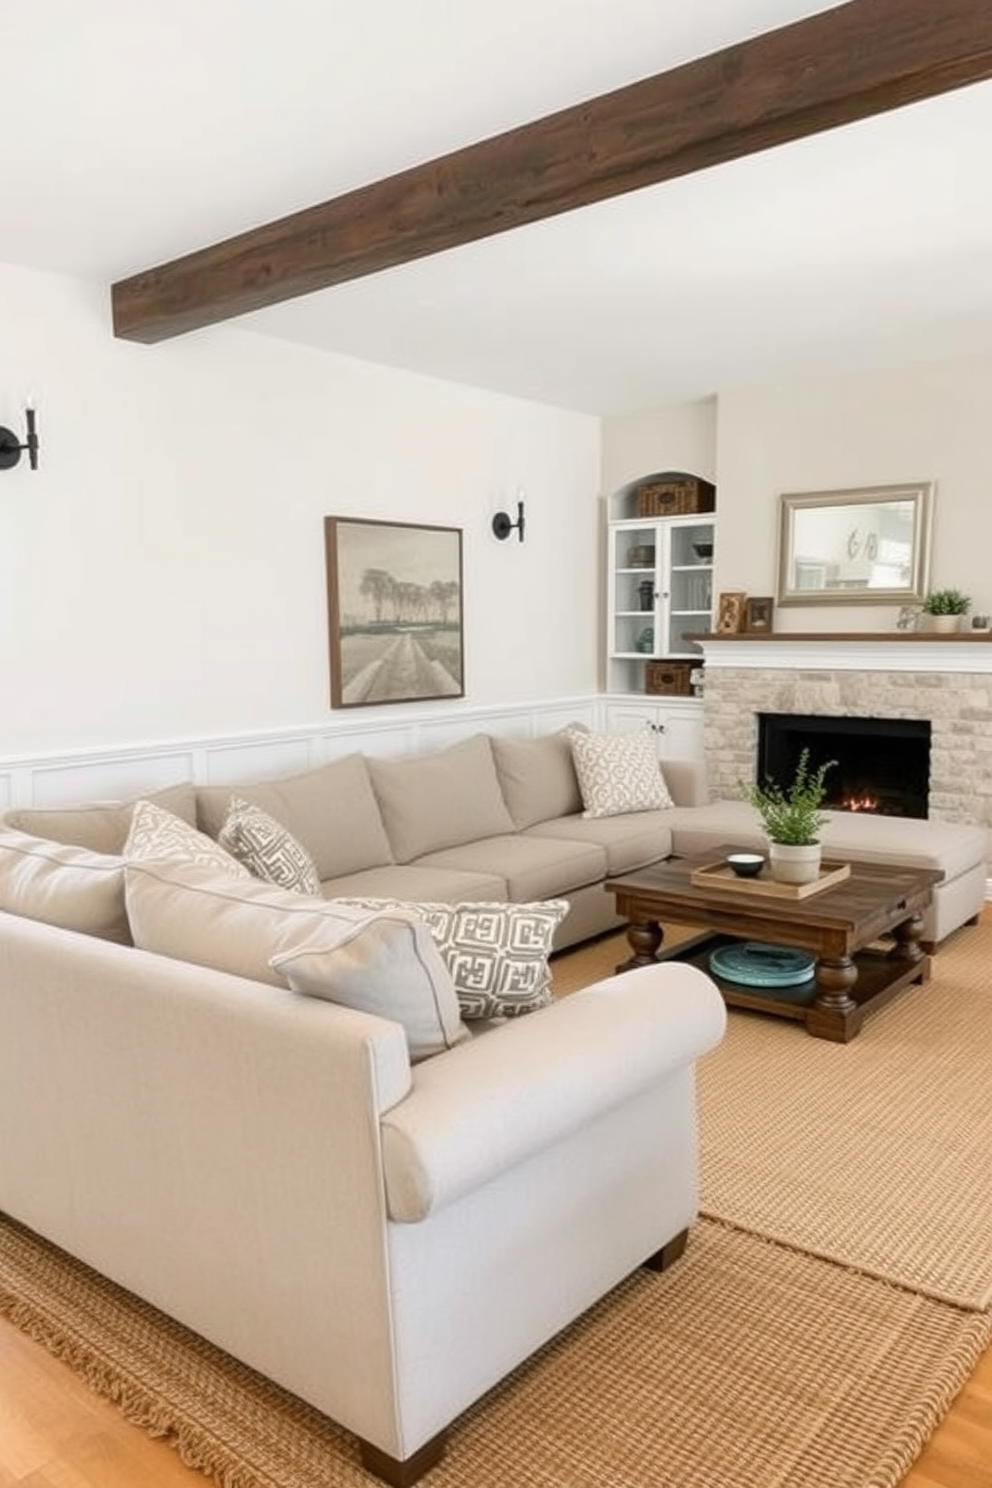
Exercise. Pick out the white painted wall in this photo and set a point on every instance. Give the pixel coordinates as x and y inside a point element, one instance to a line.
<point>682,437</point>
<point>928,421</point>
<point>162,574</point>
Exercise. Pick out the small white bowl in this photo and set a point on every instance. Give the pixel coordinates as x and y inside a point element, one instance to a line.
<point>746,865</point>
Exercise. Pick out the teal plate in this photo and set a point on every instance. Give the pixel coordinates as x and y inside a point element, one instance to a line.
<point>756,965</point>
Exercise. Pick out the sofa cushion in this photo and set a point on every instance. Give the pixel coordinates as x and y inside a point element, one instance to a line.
<point>532,867</point>
<point>102,826</point>
<point>330,810</point>
<point>897,841</point>
<point>158,834</point>
<point>619,773</point>
<point>537,777</point>
<point>62,884</point>
<point>386,964</point>
<point>412,881</point>
<point>629,841</point>
<point>432,801</point>
<point>497,954</point>
<point>267,848</point>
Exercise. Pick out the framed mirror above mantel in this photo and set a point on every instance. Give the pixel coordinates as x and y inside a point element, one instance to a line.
<point>869,545</point>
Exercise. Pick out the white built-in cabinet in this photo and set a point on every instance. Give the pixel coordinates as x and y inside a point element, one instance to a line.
<point>676,723</point>
<point>659,591</point>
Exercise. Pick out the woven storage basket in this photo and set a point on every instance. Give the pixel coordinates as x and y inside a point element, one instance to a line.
<point>668,678</point>
<point>674,495</point>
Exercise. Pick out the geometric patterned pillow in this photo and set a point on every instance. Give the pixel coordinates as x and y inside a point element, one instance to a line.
<point>267,849</point>
<point>157,833</point>
<point>496,954</point>
<point>619,773</point>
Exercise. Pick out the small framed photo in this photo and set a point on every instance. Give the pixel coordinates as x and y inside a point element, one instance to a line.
<point>758,614</point>
<point>730,611</point>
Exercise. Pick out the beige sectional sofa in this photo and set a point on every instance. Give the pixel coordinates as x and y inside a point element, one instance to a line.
<point>213,1123</point>
<point>502,819</point>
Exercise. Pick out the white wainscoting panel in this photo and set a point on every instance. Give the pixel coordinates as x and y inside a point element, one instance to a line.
<point>131,770</point>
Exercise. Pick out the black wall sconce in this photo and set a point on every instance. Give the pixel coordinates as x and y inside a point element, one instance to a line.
<point>502,526</point>
<point>11,446</point>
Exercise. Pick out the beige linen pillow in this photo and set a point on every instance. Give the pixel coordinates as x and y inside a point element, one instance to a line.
<point>330,810</point>
<point>382,963</point>
<point>538,778</point>
<point>62,884</point>
<point>267,849</point>
<point>157,834</point>
<point>497,953</point>
<point>619,773</point>
<point>103,825</point>
<point>432,801</point>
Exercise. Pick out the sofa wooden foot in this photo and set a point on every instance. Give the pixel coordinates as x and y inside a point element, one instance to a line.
<point>402,1473</point>
<point>668,1254</point>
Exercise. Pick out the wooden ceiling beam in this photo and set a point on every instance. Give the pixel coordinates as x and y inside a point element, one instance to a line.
<point>859,59</point>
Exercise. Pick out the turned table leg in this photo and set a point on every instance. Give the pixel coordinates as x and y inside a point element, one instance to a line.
<point>907,938</point>
<point>835,1014</point>
<point>644,938</point>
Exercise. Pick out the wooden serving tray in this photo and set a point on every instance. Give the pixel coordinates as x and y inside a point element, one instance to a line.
<point>721,876</point>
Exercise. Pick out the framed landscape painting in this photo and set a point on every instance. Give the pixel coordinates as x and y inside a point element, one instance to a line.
<point>394,603</point>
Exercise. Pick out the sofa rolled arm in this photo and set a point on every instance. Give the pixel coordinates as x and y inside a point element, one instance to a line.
<point>481,1108</point>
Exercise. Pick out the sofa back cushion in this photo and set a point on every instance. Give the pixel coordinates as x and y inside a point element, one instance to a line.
<point>538,778</point>
<point>432,801</point>
<point>62,884</point>
<point>381,963</point>
<point>331,811</point>
<point>103,825</point>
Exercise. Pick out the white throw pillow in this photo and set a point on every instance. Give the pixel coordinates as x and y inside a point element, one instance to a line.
<point>268,849</point>
<point>159,835</point>
<point>381,963</point>
<point>497,953</point>
<point>619,773</point>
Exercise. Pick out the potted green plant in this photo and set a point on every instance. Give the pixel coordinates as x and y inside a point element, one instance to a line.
<point>944,607</point>
<point>792,817</point>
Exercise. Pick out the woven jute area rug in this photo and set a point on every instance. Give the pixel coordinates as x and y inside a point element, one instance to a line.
<point>876,1154</point>
<point>748,1365</point>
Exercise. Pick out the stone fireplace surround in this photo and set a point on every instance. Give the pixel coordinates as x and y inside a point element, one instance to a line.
<point>947,681</point>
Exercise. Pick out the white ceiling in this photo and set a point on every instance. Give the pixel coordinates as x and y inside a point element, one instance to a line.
<point>133,133</point>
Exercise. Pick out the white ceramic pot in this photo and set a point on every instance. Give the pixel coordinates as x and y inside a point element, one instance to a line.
<point>943,623</point>
<point>794,865</point>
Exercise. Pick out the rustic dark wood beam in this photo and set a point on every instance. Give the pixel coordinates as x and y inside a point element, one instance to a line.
<point>842,65</point>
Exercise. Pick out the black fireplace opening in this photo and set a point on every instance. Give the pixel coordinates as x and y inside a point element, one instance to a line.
<point>883,764</point>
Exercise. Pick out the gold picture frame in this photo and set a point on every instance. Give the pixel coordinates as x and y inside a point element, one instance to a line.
<point>730,611</point>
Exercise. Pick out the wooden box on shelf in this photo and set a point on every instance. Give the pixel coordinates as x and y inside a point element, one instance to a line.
<point>668,678</point>
<point>674,495</point>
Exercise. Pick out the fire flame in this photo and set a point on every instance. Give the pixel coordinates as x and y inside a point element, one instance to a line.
<point>861,803</point>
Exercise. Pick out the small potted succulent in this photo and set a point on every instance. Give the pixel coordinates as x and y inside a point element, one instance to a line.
<point>793,819</point>
<point>944,608</point>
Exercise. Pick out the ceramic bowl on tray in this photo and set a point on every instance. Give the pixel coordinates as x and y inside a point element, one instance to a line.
<point>746,865</point>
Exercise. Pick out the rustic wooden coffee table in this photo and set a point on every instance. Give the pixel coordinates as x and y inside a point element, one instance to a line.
<point>840,924</point>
